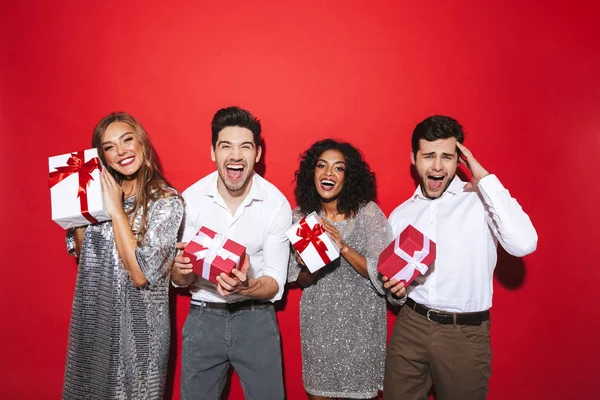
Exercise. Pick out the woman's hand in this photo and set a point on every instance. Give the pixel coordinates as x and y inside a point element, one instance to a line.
<point>111,193</point>
<point>299,259</point>
<point>334,234</point>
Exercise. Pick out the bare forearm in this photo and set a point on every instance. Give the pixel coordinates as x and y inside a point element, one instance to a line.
<point>78,236</point>
<point>357,261</point>
<point>263,288</point>
<point>126,245</point>
<point>305,278</point>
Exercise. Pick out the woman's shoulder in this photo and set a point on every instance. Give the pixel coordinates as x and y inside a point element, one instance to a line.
<point>168,196</point>
<point>298,214</point>
<point>370,208</point>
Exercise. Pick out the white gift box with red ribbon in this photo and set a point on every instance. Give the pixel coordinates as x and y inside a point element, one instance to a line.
<point>309,238</point>
<point>75,189</point>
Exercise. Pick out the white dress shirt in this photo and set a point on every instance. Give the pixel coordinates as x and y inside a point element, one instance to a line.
<point>466,227</point>
<point>259,223</point>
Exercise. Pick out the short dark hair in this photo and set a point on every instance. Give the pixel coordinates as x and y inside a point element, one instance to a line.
<point>437,127</point>
<point>360,186</point>
<point>235,116</point>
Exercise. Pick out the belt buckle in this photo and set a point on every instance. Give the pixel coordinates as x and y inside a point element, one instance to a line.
<point>429,311</point>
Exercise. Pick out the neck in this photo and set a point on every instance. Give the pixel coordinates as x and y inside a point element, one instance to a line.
<point>129,187</point>
<point>330,212</point>
<point>233,199</point>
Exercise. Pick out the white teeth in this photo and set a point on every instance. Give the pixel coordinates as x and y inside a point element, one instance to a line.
<point>236,167</point>
<point>126,160</point>
<point>327,182</point>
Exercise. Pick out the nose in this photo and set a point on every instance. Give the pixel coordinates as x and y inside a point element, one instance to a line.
<point>437,164</point>
<point>236,153</point>
<point>120,149</point>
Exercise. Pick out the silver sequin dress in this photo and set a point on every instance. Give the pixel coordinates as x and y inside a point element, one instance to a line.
<point>119,335</point>
<point>343,315</point>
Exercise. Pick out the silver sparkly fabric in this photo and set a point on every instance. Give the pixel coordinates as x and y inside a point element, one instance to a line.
<point>343,315</point>
<point>119,335</point>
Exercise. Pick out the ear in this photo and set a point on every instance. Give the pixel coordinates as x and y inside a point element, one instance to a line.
<point>413,159</point>
<point>212,154</point>
<point>258,153</point>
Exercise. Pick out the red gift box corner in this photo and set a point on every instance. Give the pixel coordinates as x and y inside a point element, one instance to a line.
<point>411,240</point>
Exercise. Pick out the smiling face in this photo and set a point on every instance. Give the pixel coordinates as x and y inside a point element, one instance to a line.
<point>235,155</point>
<point>122,149</point>
<point>436,164</point>
<point>329,174</point>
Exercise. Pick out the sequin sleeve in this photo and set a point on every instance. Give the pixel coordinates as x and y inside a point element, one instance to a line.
<point>156,254</point>
<point>293,266</point>
<point>379,234</point>
<point>70,242</point>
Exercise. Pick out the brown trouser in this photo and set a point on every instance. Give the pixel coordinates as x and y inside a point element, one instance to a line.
<point>455,358</point>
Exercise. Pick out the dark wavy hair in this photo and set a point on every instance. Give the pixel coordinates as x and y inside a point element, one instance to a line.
<point>359,188</point>
<point>437,127</point>
<point>235,116</point>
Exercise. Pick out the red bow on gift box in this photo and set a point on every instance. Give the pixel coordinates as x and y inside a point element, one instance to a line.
<point>309,236</point>
<point>76,165</point>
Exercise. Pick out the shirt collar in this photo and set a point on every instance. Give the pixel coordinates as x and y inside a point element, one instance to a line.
<point>456,187</point>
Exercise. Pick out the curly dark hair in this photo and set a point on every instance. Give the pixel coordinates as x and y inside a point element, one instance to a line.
<point>359,188</point>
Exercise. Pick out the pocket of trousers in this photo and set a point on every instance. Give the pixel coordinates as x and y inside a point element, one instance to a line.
<point>476,333</point>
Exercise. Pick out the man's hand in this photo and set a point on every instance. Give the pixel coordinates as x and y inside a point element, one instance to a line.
<point>396,288</point>
<point>228,285</point>
<point>477,170</point>
<point>182,273</point>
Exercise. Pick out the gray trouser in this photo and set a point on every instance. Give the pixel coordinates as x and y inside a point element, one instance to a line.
<point>248,340</point>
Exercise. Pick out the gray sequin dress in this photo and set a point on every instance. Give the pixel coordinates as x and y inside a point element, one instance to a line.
<point>119,335</point>
<point>343,317</point>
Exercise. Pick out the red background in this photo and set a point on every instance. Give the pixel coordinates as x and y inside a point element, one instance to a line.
<point>523,78</point>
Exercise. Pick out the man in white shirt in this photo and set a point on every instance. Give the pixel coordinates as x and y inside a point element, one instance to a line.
<point>441,335</point>
<point>233,322</point>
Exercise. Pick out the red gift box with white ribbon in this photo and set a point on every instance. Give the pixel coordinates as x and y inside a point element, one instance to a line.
<point>408,256</point>
<point>212,253</point>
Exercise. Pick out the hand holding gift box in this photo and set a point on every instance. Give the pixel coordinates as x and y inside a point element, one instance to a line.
<point>75,189</point>
<point>407,257</point>
<point>309,238</point>
<point>212,253</point>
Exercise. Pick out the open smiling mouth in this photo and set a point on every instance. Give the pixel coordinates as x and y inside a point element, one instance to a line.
<point>434,182</point>
<point>126,161</point>
<point>234,171</point>
<point>327,184</point>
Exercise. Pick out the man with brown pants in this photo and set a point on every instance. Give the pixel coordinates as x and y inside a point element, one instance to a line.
<point>441,335</point>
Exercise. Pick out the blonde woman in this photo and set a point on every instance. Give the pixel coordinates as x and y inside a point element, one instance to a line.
<point>120,332</point>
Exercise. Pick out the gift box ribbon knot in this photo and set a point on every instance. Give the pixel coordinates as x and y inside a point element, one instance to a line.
<point>413,262</point>
<point>309,236</point>
<point>213,249</point>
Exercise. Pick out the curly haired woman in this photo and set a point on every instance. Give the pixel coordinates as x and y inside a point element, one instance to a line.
<point>342,310</point>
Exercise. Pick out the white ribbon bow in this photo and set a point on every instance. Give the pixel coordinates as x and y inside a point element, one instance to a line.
<point>413,262</point>
<point>214,249</point>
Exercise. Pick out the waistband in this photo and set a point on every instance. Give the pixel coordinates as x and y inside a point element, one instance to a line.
<point>246,305</point>
<point>443,317</point>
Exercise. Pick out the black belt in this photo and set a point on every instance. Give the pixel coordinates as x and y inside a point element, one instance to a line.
<point>233,307</point>
<point>441,317</point>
